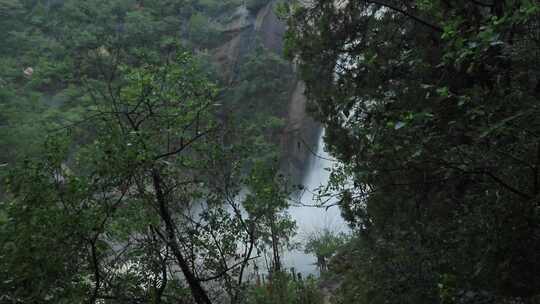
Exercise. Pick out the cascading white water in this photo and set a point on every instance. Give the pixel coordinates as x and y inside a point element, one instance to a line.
<point>308,213</point>
<point>310,220</point>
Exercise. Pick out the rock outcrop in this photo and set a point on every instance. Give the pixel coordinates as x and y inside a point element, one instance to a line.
<point>300,135</point>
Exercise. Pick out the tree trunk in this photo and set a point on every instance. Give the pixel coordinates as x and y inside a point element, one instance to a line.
<point>275,245</point>
<point>199,294</point>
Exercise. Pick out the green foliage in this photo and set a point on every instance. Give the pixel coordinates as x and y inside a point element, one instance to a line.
<point>202,31</point>
<point>267,205</point>
<point>432,108</point>
<point>64,44</point>
<point>258,101</point>
<point>88,210</point>
<point>69,44</point>
<point>211,6</point>
<point>95,98</point>
<point>42,256</point>
<point>281,288</point>
<point>324,245</point>
<point>255,5</point>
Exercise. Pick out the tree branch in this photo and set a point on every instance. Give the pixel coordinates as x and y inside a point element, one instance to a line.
<point>404,12</point>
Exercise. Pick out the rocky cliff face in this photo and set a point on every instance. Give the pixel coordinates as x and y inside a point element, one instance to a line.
<point>299,137</point>
<point>299,140</point>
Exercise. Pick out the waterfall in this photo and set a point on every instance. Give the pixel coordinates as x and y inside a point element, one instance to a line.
<point>312,219</point>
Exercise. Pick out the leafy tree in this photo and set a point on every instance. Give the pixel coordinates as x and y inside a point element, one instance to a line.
<point>324,244</point>
<point>123,165</point>
<point>431,106</point>
<point>143,199</point>
<point>267,205</point>
<point>257,102</point>
<point>203,31</point>
<point>282,288</point>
